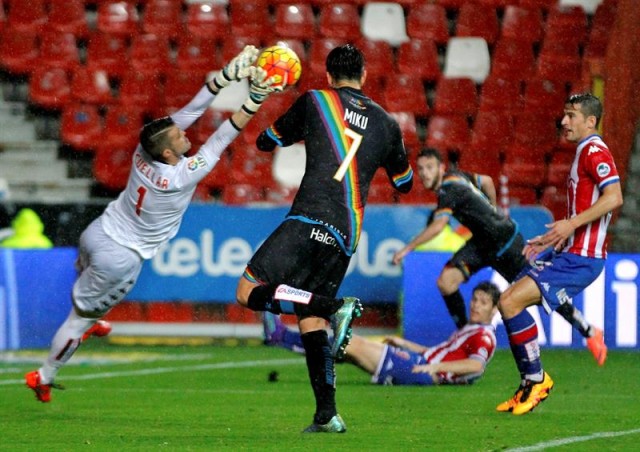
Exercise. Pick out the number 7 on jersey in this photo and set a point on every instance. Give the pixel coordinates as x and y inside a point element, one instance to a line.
<point>356,139</point>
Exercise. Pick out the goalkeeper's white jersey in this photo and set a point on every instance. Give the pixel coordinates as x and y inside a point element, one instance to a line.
<point>149,211</point>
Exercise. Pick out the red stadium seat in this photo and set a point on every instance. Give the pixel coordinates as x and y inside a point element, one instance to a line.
<point>295,20</point>
<point>544,5</point>
<point>381,191</point>
<point>239,194</point>
<point>208,20</point>
<point>419,58</point>
<point>163,18</point>
<point>408,127</point>
<point>19,51</point>
<point>525,174</point>
<point>501,95</point>
<point>27,16</point>
<point>455,96</point>
<point>513,59</point>
<point>109,53</point>
<point>545,97</point>
<point>557,174</point>
<point>122,125</point>
<point>475,19</point>
<point>428,21</point>
<point>140,91</point>
<point>3,19</point>
<point>492,133</point>
<point>149,55</point>
<point>111,166</point>
<point>179,89</point>
<point>525,24</point>
<point>233,45</point>
<point>555,199</point>
<point>197,54</point>
<point>340,21</point>
<point>535,131</point>
<point>217,179</point>
<point>378,56</point>
<point>405,93</point>
<point>318,52</point>
<point>91,86</point>
<point>523,196</point>
<point>560,61</point>
<point>80,127</point>
<point>566,24</point>
<point>49,88</point>
<point>252,20</point>
<point>59,50</point>
<point>448,133</point>
<point>68,16</point>
<point>118,18</point>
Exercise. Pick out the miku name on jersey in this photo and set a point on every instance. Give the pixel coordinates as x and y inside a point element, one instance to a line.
<point>356,119</point>
<point>149,173</point>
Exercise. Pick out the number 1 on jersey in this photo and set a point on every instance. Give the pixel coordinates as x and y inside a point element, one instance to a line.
<point>355,144</point>
<point>141,192</point>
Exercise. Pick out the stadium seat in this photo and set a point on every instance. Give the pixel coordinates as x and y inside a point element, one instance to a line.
<point>122,124</point>
<point>555,199</point>
<point>467,57</point>
<point>163,18</point>
<point>149,55</point>
<point>209,123</point>
<point>318,51</point>
<point>49,88</point>
<point>557,173</point>
<point>27,16</point>
<point>68,16</point>
<point>59,50</point>
<point>379,58</point>
<point>589,6</point>
<point>141,91</point>
<point>513,59</point>
<point>456,96</point>
<point>111,166</point>
<point>559,61</point>
<point>488,162</point>
<point>339,21</point>
<point>601,25</point>
<point>196,54</point>
<point>419,58</point>
<point>382,21</point>
<point>521,23</point>
<point>239,194</point>
<point>492,133</point>
<point>91,86</point>
<point>80,127</point>
<point>380,190</point>
<point>544,5</point>
<point>478,20</point>
<point>216,180</point>
<point>295,20</point>
<point>566,24</point>
<point>19,51</point>
<point>208,20</point>
<point>118,18</point>
<point>536,131</point>
<point>525,174</point>
<point>250,166</point>
<point>109,53</point>
<point>312,80</point>
<point>522,196</point>
<point>232,45</point>
<point>448,133</point>
<point>179,89</point>
<point>545,97</point>
<point>499,94</point>
<point>251,19</point>
<point>408,127</point>
<point>3,19</point>
<point>428,21</point>
<point>405,93</point>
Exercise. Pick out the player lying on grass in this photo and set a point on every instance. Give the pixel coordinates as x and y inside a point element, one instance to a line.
<point>461,359</point>
<point>147,214</point>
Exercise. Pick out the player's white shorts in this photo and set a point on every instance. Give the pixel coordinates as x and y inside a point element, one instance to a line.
<point>107,271</point>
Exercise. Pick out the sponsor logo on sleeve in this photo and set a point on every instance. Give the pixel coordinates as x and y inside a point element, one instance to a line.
<point>603,169</point>
<point>195,163</point>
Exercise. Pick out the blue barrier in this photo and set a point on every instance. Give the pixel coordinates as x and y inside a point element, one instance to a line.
<point>610,302</point>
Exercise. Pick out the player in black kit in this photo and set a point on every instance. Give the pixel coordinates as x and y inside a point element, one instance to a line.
<point>301,265</point>
<point>496,242</point>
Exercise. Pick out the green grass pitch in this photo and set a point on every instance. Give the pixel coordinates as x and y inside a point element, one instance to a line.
<point>220,398</point>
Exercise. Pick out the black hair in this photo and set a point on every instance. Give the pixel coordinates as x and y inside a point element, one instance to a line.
<point>430,152</point>
<point>590,105</point>
<point>489,288</point>
<point>345,62</point>
<point>154,138</point>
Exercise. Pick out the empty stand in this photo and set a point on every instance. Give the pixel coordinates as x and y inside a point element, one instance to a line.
<point>207,20</point>
<point>163,18</point>
<point>491,135</point>
<point>80,126</point>
<point>522,23</point>
<point>251,19</point>
<point>560,61</point>
<point>19,51</point>
<point>339,21</point>
<point>59,50</point>
<point>544,5</point>
<point>295,20</point>
<point>544,97</point>
<point>197,54</point>
<point>467,57</point>
<point>28,16</point>
<point>109,53</point>
<point>91,86</point>
<point>49,88</point>
<point>384,21</point>
<point>378,56</point>
<point>419,58</point>
<point>408,128</point>
<point>456,96</point>
<point>566,24</point>
<point>179,89</point>
<point>68,16</point>
<point>122,124</point>
<point>405,93</point>
<point>478,20</point>
<point>428,21</point>
<point>535,131</point>
<point>318,51</point>
<point>118,18</point>
<point>111,166</point>
<point>503,95</point>
<point>238,194</point>
<point>381,191</point>
<point>513,59</point>
<point>149,55</point>
<point>448,133</point>
<point>140,91</point>
<point>555,199</point>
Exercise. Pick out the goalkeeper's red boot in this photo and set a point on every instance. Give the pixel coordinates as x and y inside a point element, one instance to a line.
<point>43,391</point>
<point>597,347</point>
<point>100,328</point>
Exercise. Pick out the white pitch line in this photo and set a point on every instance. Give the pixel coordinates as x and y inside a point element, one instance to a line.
<point>573,440</point>
<point>165,370</point>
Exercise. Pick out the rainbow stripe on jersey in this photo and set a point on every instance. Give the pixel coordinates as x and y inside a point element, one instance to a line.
<point>332,115</point>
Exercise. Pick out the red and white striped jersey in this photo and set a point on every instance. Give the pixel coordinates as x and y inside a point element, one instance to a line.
<point>475,341</point>
<point>593,169</point>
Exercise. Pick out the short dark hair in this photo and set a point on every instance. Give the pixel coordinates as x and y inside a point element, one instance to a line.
<point>489,288</point>
<point>345,62</point>
<point>154,138</point>
<point>430,152</point>
<point>590,105</point>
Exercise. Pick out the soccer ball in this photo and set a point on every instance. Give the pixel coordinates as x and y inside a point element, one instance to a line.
<point>282,63</point>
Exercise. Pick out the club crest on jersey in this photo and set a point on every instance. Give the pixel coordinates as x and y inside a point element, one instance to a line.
<point>603,169</point>
<point>195,163</point>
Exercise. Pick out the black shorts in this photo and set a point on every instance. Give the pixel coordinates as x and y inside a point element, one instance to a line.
<point>302,255</point>
<point>474,256</point>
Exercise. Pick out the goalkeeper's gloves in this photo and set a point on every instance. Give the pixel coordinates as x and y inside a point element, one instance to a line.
<point>238,68</point>
<point>259,89</point>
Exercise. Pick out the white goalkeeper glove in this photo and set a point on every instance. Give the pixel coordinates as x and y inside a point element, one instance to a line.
<point>260,88</point>
<point>238,68</point>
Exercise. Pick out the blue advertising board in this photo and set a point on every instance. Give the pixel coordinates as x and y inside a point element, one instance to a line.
<point>204,261</point>
<point>610,302</point>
